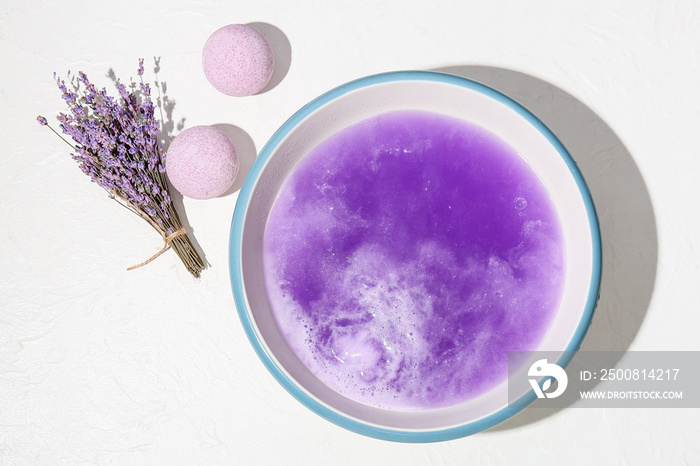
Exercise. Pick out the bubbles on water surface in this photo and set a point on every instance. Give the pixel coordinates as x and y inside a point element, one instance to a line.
<point>520,203</point>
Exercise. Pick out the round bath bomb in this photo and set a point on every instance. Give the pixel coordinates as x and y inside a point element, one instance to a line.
<point>237,60</point>
<point>202,162</point>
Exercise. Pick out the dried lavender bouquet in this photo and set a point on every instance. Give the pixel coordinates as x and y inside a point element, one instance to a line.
<point>116,145</point>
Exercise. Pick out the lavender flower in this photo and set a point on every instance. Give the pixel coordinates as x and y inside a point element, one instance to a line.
<point>116,145</point>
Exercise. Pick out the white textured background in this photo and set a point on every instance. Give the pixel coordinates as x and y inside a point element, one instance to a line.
<point>103,366</point>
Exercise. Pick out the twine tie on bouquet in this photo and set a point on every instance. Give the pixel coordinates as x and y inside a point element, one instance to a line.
<point>166,245</point>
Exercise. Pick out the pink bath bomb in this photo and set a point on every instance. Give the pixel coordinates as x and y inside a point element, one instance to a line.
<point>238,60</point>
<point>202,162</point>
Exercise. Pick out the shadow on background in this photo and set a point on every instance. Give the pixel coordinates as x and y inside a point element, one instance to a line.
<point>281,49</point>
<point>622,201</point>
<point>246,153</point>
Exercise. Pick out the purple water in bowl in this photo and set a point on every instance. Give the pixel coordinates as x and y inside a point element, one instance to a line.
<point>407,254</point>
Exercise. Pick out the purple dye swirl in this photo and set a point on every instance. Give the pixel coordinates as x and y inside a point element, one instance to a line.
<point>407,254</point>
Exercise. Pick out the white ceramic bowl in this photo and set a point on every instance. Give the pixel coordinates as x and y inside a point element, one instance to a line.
<point>448,95</point>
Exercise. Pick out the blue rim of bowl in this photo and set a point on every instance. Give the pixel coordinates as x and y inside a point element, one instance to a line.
<point>235,264</point>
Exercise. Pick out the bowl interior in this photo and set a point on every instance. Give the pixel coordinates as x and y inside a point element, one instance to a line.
<point>359,100</point>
